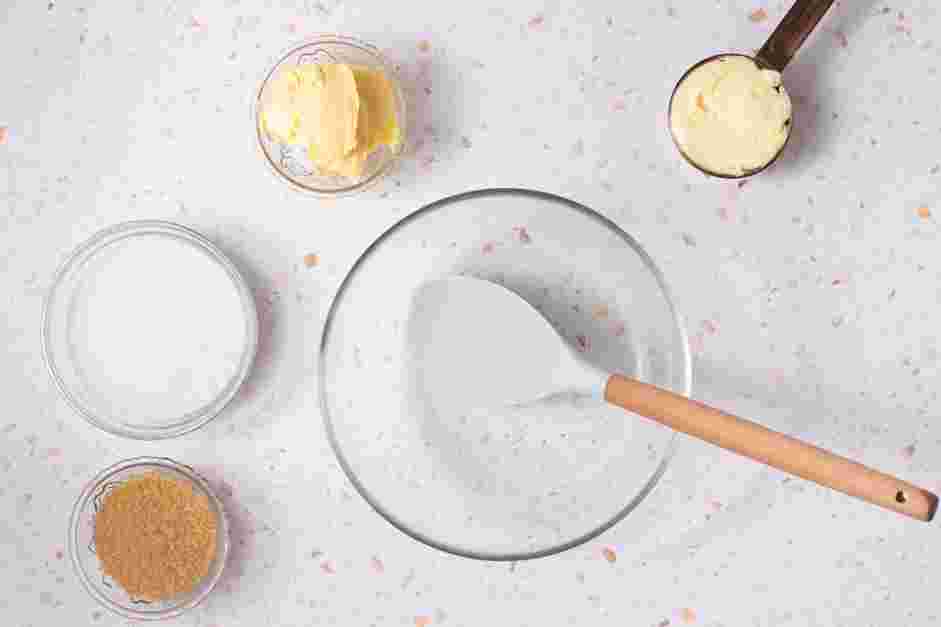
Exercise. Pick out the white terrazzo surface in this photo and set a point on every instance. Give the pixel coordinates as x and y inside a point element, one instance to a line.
<point>811,294</point>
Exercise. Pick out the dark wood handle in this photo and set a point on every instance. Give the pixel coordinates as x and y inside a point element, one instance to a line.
<point>797,24</point>
<point>770,447</point>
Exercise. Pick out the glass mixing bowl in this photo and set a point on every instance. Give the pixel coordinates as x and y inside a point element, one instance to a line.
<point>528,483</point>
<point>290,161</point>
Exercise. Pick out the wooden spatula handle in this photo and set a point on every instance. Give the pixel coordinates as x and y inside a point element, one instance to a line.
<point>770,447</point>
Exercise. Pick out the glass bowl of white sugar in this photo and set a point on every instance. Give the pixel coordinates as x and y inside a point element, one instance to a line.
<point>149,330</point>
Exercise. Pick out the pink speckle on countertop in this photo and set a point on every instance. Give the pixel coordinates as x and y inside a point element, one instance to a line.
<point>197,24</point>
<point>582,342</point>
<point>618,104</point>
<point>377,565</point>
<point>777,376</point>
<point>53,452</point>
<point>710,327</point>
<point>697,343</point>
<point>328,568</point>
<point>839,280</point>
<point>663,120</point>
<point>537,21</point>
<point>488,248</point>
<point>853,452</point>
<point>909,451</point>
<point>618,329</point>
<point>841,39</point>
<point>522,235</point>
<point>60,554</point>
<point>758,15</point>
<point>281,280</point>
<point>715,505</point>
<point>904,24</point>
<point>725,214</point>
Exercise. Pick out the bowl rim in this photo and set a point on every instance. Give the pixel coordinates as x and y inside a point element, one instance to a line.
<point>223,540</point>
<point>95,244</point>
<point>669,451</point>
<point>402,110</point>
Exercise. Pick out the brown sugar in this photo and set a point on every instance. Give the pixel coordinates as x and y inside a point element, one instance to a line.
<point>155,536</point>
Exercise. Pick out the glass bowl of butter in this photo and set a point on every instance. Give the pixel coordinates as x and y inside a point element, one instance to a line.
<point>329,116</point>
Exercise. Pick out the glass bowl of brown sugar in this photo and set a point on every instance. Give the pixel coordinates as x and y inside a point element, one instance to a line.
<point>149,538</point>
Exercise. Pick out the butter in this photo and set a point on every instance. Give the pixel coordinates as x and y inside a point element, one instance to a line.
<point>279,117</point>
<point>341,113</point>
<point>729,116</point>
<point>377,121</point>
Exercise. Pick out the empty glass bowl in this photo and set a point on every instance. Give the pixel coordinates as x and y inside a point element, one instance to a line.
<point>290,161</point>
<point>82,540</point>
<point>528,483</point>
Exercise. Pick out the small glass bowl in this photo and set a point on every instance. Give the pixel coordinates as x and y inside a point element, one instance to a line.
<point>82,540</point>
<point>105,398</point>
<point>289,161</point>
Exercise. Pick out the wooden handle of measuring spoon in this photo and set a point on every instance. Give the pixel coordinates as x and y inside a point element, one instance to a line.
<point>791,32</point>
<point>770,447</point>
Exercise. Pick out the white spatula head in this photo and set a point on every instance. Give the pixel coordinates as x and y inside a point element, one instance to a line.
<point>476,344</point>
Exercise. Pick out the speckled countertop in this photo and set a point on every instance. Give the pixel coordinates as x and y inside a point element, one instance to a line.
<point>811,294</point>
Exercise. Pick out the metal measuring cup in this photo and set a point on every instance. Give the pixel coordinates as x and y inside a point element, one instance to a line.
<point>775,54</point>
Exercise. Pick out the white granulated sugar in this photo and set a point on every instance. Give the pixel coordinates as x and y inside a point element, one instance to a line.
<point>157,329</point>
